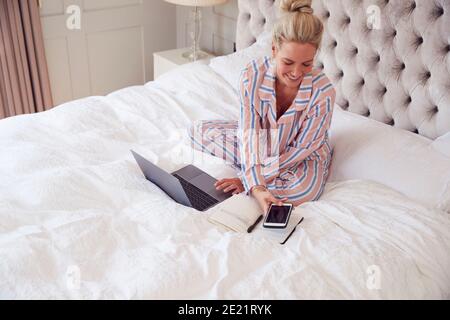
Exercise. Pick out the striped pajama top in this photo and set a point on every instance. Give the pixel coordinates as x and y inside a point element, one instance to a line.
<point>295,148</point>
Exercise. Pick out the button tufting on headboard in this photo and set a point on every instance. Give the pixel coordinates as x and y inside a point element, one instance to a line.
<point>397,73</point>
<point>255,17</point>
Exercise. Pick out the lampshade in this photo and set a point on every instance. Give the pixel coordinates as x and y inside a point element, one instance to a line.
<point>197,3</point>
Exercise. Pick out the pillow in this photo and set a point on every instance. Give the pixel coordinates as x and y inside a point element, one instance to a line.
<point>442,144</point>
<point>368,149</point>
<point>231,66</point>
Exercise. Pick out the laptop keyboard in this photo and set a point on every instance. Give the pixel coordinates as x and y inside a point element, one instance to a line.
<point>199,199</point>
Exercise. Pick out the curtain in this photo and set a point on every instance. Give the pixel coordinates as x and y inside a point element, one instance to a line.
<point>24,80</point>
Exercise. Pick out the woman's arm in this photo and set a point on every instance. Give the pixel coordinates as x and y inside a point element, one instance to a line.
<point>249,133</point>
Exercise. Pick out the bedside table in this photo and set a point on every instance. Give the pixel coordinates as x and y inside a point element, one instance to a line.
<point>165,61</point>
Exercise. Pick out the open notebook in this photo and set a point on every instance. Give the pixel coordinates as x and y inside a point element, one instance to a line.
<point>240,213</point>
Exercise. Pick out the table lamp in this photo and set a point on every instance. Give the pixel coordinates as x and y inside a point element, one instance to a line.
<point>194,53</point>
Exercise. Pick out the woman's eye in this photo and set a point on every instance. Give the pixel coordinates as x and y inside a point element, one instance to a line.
<point>291,63</point>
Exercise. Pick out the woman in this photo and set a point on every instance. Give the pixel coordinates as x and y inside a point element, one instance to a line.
<point>280,142</point>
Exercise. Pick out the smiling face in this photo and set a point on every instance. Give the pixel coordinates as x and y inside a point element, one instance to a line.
<point>293,60</point>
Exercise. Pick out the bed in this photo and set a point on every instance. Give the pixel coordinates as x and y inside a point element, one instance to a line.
<point>79,221</point>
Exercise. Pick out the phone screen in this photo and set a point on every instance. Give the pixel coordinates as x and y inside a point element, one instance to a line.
<point>278,214</point>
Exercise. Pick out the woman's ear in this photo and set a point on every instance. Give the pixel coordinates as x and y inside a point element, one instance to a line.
<point>274,51</point>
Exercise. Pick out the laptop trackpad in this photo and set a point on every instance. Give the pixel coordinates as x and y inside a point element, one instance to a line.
<point>206,183</point>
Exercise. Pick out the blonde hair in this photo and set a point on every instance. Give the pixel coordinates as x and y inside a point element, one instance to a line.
<point>298,24</point>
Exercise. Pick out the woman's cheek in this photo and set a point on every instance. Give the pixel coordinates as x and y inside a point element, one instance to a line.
<point>283,70</point>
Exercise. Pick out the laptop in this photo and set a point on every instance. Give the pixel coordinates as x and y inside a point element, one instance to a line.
<point>188,186</point>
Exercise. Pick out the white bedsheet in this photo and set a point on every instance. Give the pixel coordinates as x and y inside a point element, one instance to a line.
<point>77,219</point>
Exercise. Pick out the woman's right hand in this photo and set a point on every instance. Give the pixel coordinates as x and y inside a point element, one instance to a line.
<point>265,198</point>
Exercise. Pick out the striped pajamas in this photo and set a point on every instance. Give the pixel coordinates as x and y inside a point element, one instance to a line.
<point>290,156</point>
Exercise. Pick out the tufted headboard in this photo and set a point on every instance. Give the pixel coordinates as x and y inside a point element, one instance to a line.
<point>388,59</point>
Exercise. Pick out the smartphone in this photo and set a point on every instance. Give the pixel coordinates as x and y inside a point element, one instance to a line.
<point>278,216</point>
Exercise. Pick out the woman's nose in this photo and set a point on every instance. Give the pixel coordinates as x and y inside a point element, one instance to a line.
<point>299,71</point>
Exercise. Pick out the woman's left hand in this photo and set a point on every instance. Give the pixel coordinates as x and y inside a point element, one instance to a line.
<point>227,185</point>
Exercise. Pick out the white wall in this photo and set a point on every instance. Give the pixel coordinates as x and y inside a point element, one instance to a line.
<point>115,45</point>
<point>219,28</point>
<point>113,49</point>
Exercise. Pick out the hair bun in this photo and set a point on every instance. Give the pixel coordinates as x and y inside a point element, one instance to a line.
<point>303,6</point>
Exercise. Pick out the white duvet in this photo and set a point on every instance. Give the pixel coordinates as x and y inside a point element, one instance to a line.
<point>78,220</point>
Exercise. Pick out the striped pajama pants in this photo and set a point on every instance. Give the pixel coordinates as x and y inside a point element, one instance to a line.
<point>299,184</point>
